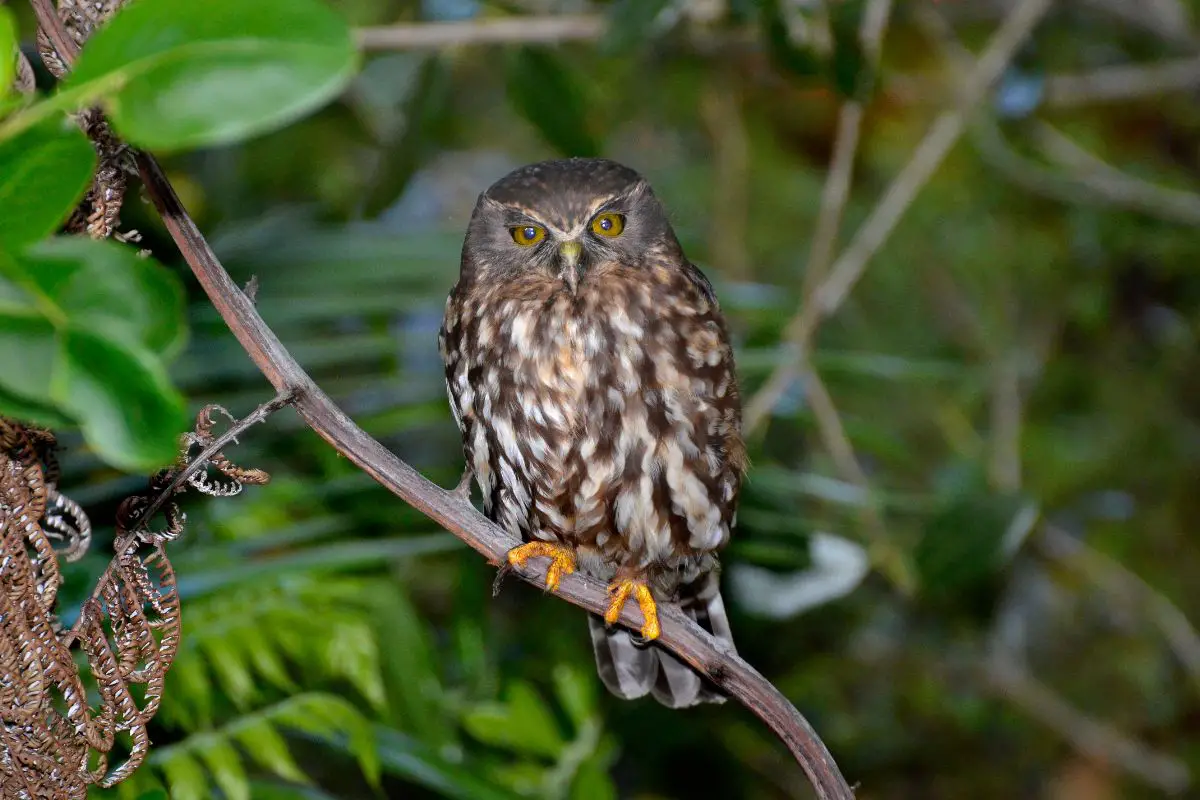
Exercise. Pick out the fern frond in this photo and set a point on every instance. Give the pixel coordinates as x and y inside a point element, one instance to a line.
<point>225,758</point>
<point>270,637</point>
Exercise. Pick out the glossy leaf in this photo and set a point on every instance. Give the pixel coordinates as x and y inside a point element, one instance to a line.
<point>78,347</point>
<point>43,173</point>
<point>106,287</point>
<point>189,74</point>
<point>546,92</point>
<point>29,349</point>
<point>126,405</point>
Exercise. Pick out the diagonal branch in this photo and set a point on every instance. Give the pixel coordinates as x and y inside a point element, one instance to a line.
<point>680,635</point>
<point>874,232</point>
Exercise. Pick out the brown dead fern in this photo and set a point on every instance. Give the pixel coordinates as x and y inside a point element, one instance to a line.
<point>64,720</point>
<point>99,213</point>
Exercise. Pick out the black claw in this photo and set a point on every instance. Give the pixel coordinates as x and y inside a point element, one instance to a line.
<point>501,574</point>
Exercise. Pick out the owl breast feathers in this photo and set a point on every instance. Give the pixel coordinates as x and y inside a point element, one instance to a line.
<point>591,376</point>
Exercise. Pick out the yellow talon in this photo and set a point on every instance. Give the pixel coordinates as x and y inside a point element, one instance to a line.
<point>619,592</point>
<point>562,560</point>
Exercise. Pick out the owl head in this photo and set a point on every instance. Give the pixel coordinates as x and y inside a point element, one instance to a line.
<point>564,219</point>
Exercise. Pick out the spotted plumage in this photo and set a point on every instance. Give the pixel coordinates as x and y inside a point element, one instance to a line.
<point>590,373</point>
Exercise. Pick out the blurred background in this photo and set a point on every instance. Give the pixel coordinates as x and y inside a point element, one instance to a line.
<point>965,547</point>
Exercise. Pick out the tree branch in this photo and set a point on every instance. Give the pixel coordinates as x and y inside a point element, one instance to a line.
<point>679,634</point>
<point>507,30</point>
<point>203,458</point>
<point>928,156</point>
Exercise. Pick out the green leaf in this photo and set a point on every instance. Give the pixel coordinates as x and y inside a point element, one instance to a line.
<point>592,782</point>
<point>353,653</point>
<point>323,715</point>
<point>106,287</point>
<point>78,325</point>
<point>231,670</point>
<point>8,46</point>
<point>189,686</point>
<point>154,794</point>
<point>126,405</point>
<point>183,75</point>
<point>225,766</point>
<point>43,173</point>
<point>185,776</point>
<point>267,747</point>
<point>415,695</point>
<point>422,765</point>
<point>961,549</point>
<point>489,723</point>
<point>31,411</point>
<point>28,352</point>
<point>576,692</point>
<point>523,723</point>
<point>535,74</point>
<point>535,725</point>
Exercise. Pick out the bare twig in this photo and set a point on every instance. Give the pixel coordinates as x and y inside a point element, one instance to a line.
<point>1124,82</point>
<point>205,456</point>
<point>510,30</point>
<point>1119,580</point>
<point>1094,187</point>
<point>1092,738</point>
<point>1112,184</point>
<point>929,154</point>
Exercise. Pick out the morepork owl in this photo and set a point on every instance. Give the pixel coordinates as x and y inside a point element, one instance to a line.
<point>590,373</point>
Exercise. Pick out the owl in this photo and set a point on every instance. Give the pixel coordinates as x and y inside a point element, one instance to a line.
<point>590,373</point>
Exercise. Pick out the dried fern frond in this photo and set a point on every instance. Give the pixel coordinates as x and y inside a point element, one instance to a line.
<point>55,743</point>
<point>99,213</point>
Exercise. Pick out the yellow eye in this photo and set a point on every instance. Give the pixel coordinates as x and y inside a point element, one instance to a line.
<point>528,235</point>
<point>608,224</point>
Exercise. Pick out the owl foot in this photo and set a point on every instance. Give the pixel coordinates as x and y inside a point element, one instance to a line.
<point>619,591</point>
<point>562,560</point>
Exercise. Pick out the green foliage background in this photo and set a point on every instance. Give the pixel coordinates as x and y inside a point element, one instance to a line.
<point>338,645</point>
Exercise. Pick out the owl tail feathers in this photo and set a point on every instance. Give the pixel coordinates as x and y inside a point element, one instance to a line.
<point>631,670</point>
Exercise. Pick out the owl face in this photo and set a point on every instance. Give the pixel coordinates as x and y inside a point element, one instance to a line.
<point>563,220</point>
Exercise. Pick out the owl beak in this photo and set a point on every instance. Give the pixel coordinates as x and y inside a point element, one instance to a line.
<point>572,268</point>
